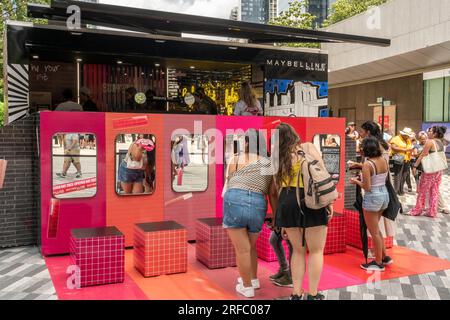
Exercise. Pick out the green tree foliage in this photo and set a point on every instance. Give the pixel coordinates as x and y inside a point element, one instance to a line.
<point>343,9</point>
<point>296,16</point>
<point>2,113</point>
<point>13,10</point>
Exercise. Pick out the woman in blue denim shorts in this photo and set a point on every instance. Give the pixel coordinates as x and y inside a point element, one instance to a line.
<point>248,182</point>
<point>375,171</point>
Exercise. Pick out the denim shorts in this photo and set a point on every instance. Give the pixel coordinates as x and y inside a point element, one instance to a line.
<point>130,175</point>
<point>376,200</point>
<point>244,209</point>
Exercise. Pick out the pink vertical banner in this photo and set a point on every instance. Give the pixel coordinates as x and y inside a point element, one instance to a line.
<point>53,218</point>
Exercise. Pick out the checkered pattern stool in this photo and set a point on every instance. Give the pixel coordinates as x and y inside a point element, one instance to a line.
<point>336,235</point>
<point>353,234</point>
<point>213,246</point>
<point>99,254</point>
<point>160,248</point>
<point>263,247</point>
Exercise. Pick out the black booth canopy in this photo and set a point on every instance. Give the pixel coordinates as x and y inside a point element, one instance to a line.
<point>174,24</point>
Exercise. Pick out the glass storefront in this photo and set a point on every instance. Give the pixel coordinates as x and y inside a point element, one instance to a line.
<point>437,99</point>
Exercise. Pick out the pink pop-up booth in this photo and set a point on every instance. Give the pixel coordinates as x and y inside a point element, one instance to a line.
<point>93,200</point>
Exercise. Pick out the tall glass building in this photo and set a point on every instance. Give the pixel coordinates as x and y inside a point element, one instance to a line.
<point>320,9</point>
<point>259,11</point>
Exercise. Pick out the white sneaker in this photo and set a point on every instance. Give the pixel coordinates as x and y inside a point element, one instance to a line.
<point>246,292</point>
<point>255,283</point>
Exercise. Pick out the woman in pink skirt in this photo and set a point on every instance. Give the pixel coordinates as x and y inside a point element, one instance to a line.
<point>429,182</point>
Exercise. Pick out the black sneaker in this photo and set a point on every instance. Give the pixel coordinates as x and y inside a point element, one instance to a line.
<point>61,175</point>
<point>284,281</point>
<point>318,296</point>
<point>372,266</point>
<point>387,261</point>
<point>296,297</point>
<point>277,275</point>
<point>78,175</point>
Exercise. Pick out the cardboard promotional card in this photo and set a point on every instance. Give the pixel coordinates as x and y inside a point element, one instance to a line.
<point>3,164</point>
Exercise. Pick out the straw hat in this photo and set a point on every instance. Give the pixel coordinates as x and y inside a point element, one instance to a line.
<point>407,132</point>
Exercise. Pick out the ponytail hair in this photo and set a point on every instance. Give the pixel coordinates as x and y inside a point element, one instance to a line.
<point>374,129</point>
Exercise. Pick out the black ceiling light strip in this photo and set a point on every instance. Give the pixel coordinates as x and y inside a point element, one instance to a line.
<point>159,22</point>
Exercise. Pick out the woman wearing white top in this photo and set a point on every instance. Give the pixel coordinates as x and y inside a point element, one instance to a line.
<point>248,105</point>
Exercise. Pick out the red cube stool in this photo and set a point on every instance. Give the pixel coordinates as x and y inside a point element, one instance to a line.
<point>99,254</point>
<point>213,246</point>
<point>353,234</point>
<point>160,248</point>
<point>336,235</point>
<point>263,247</point>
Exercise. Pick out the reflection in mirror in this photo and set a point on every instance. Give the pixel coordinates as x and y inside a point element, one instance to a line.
<point>190,163</point>
<point>135,164</point>
<point>330,147</point>
<point>234,144</point>
<point>74,165</point>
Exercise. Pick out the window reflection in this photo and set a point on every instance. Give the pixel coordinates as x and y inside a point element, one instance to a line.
<point>135,164</point>
<point>190,163</point>
<point>74,165</point>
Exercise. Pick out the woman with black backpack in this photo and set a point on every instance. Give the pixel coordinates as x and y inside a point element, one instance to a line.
<point>305,228</point>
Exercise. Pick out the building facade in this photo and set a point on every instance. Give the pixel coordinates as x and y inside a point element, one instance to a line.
<point>412,75</point>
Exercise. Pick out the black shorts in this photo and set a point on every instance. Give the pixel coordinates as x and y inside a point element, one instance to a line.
<point>289,215</point>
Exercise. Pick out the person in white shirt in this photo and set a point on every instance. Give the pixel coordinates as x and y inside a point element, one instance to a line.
<point>248,105</point>
<point>69,104</point>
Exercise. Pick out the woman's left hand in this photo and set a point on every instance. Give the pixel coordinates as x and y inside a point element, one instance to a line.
<point>284,234</point>
<point>330,212</point>
<point>354,181</point>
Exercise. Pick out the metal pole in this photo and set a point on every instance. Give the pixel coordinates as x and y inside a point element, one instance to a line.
<point>382,115</point>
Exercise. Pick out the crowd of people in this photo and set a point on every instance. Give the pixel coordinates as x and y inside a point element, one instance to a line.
<point>248,192</point>
<point>405,153</point>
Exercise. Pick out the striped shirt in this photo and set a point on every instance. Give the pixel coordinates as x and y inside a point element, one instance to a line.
<point>254,177</point>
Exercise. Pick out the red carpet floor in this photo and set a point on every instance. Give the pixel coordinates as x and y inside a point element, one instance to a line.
<point>340,270</point>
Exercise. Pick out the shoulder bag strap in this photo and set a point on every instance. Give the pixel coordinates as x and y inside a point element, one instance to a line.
<point>301,153</point>
<point>373,166</point>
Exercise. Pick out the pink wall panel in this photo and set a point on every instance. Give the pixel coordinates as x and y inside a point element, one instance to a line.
<point>124,212</point>
<point>200,204</point>
<point>224,123</point>
<point>73,213</point>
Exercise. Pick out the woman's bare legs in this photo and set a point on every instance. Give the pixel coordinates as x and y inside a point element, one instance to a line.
<point>138,187</point>
<point>298,259</point>
<point>127,187</point>
<point>242,246</point>
<point>315,239</point>
<point>372,219</point>
<point>254,255</point>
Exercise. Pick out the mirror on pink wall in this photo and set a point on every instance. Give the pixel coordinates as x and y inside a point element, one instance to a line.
<point>190,159</point>
<point>74,165</point>
<point>135,164</point>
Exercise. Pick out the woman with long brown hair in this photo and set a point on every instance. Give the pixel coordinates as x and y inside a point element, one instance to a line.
<point>299,223</point>
<point>248,105</point>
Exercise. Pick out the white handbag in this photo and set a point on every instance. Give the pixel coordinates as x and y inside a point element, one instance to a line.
<point>434,162</point>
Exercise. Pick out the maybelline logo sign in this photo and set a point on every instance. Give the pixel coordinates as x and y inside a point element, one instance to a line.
<point>304,65</point>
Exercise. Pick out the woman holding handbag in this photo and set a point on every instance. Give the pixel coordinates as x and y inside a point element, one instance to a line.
<point>433,162</point>
<point>375,173</point>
